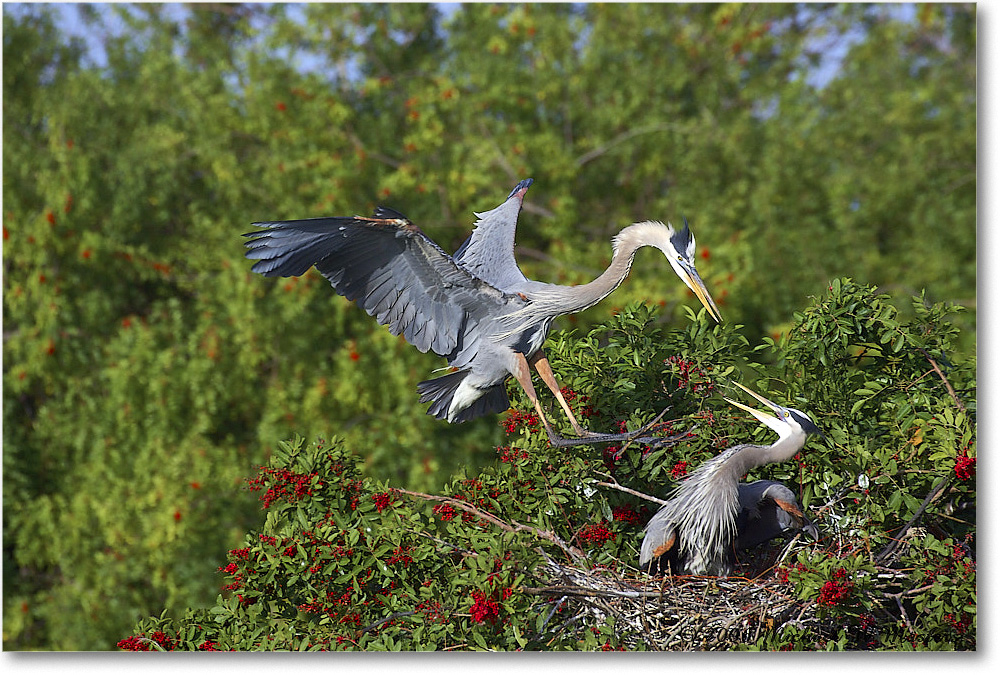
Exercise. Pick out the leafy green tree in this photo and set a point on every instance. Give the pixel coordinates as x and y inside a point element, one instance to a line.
<point>146,372</point>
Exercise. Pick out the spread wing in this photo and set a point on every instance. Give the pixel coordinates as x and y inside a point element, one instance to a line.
<point>488,253</point>
<point>390,268</point>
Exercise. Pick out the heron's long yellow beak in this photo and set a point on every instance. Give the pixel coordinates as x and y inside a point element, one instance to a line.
<point>760,415</point>
<point>698,286</point>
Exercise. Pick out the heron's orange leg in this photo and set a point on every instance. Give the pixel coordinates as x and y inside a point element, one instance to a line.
<point>522,373</point>
<point>541,364</point>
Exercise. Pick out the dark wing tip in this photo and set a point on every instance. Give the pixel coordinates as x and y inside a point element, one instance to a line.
<point>264,225</point>
<point>386,212</point>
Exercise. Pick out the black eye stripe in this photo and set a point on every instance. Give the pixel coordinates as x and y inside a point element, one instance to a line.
<point>806,423</point>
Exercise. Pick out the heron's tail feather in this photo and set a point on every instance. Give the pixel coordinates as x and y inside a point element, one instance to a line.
<point>453,399</point>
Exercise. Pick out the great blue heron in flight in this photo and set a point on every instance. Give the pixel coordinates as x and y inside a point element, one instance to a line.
<point>711,512</point>
<point>475,308</point>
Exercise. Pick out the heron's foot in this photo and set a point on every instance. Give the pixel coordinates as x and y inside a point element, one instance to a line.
<point>637,436</point>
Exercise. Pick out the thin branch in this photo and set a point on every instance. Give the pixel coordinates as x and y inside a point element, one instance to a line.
<point>902,613</point>
<point>619,139</point>
<point>502,160</point>
<point>555,608</point>
<point>513,526</point>
<point>559,629</point>
<point>636,493</point>
<point>897,540</point>
<point>397,615</point>
<point>531,207</point>
<point>944,379</point>
<point>512,174</point>
<point>583,592</point>
<point>912,591</point>
<point>464,551</point>
<point>358,145</point>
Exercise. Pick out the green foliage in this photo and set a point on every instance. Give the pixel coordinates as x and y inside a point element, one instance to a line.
<point>346,562</point>
<point>146,371</point>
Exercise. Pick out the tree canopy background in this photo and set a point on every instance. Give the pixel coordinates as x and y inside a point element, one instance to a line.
<point>147,372</point>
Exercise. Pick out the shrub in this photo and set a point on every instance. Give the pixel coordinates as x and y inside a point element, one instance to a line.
<point>507,558</point>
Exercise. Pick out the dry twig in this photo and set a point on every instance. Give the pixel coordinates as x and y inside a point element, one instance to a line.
<point>514,526</point>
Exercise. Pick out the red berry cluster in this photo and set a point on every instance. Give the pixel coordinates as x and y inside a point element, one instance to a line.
<point>333,599</point>
<point>626,514</point>
<point>679,470</point>
<point>509,455</point>
<point>486,604</point>
<point>959,561</point>
<point>836,592</point>
<point>484,608</point>
<point>961,624</point>
<point>319,551</point>
<point>585,410</point>
<point>610,455</point>
<point>444,511</point>
<point>965,467</point>
<point>401,555</point>
<point>283,484</point>
<point>345,604</point>
<point>782,572</point>
<point>516,418</point>
<point>383,500</point>
<point>595,534</point>
<point>432,610</point>
<point>962,557</point>
<point>475,494</point>
<point>691,376</point>
<point>868,629</point>
<point>141,643</point>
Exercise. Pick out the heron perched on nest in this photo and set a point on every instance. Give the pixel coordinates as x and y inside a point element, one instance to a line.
<point>476,308</point>
<point>711,512</point>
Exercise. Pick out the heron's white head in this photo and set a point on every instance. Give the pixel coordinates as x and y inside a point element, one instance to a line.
<point>679,247</point>
<point>785,421</point>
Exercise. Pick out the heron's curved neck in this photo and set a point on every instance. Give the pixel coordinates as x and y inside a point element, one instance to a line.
<point>781,450</point>
<point>579,298</point>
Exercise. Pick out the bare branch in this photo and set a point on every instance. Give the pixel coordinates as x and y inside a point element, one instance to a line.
<point>622,488</point>
<point>931,496</point>
<point>619,139</point>
<point>944,379</point>
<point>514,526</point>
<point>385,159</point>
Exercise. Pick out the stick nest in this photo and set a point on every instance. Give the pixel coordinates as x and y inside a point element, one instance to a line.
<point>681,613</point>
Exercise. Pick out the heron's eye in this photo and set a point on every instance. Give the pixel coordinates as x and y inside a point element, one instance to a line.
<point>680,258</point>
